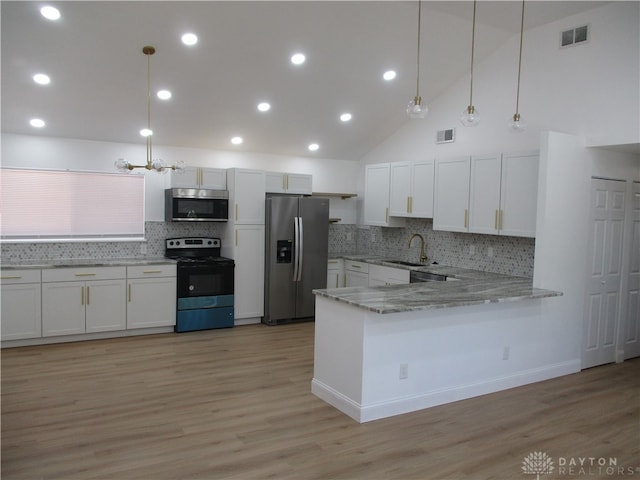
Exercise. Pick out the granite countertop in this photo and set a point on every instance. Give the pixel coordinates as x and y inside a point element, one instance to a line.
<point>87,262</point>
<point>468,287</point>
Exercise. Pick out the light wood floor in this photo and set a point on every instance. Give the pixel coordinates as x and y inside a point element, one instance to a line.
<point>236,404</point>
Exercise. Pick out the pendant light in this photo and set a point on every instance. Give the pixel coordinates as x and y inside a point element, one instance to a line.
<point>470,115</point>
<point>416,109</point>
<point>515,123</point>
<point>157,165</point>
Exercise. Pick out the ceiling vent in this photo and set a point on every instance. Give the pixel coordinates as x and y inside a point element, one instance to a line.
<point>575,36</point>
<point>446,136</point>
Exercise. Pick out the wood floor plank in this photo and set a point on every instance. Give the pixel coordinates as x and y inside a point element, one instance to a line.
<point>236,404</point>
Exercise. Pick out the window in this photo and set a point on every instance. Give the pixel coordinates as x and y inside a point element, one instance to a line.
<point>50,204</point>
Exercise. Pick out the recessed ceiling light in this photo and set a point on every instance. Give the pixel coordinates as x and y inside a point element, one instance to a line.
<point>50,13</point>
<point>389,75</point>
<point>345,117</point>
<point>37,122</point>
<point>41,78</point>
<point>237,140</point>
<point>313,147</point>
<point>164,94</point>
<point>298,59</point>
<point>189,39</point>
<point>264,107</point>
<point>145,132</point>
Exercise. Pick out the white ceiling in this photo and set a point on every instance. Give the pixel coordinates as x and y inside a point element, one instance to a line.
<point>93,55</point>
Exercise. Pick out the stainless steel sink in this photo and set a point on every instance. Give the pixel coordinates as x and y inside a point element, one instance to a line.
<point>407,264</point>
<point>416,277</point>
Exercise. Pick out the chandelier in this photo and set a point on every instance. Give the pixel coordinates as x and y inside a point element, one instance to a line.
<point>156,165</point>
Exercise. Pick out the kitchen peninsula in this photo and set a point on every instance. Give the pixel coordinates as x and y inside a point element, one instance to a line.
<point>387,350</point>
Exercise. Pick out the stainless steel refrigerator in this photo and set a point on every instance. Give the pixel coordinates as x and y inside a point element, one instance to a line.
<point>297,239</point>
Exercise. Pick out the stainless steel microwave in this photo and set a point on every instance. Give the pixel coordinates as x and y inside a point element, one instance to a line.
<point>196,205</point>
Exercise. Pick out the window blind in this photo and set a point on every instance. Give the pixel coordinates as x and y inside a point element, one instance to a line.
<point>62,204</point>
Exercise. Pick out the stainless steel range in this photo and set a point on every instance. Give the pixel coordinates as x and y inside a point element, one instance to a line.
<point>205,284</point>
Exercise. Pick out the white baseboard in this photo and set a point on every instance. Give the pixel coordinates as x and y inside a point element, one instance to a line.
<point>397,406</point>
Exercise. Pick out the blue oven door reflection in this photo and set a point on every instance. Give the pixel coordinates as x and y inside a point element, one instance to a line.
<point>203,313</point>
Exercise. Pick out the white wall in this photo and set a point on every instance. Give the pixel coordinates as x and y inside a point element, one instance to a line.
<point>28,151</point>
<point>591,90</point>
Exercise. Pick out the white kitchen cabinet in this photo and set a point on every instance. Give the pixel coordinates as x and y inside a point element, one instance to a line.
<point>247,249</point>
<point>379,275</point>
<point>247,190</point>
<point>83,300</point>
<point>335,273</point>
<point>197,177</point>
<point>484,194</point>
<point>356,274</point>
<point>411,189</point>
<point>151,296</point>
<point>451,194</point>
<point>20,304</point>
<point>292,183</point>
<point>376,197</point>
<point>519,194</point>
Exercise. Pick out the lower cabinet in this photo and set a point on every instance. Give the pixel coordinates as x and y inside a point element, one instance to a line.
<point>335,273</point>
<point>20,304</point>
<point>356,274</point>
<point>381,275</point>
<point>83,300</point>
<point>151,296</point>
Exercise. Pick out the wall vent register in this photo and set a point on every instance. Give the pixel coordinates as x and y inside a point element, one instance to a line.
<point>574,36</point>
<point>446,136</point>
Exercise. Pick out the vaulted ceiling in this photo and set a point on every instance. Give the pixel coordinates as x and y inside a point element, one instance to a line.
<point>98,88</point>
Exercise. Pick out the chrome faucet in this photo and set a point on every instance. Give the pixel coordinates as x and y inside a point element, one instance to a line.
<point>423,256</point>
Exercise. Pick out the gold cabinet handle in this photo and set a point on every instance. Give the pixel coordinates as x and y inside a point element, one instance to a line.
<point>81,295</point>
<point>356,266</point>
<point>14,277</point>
<point>495,221</point>
<point>85,274</point>
<point>152,271</point>
<point>88,295</point>
<point>236,211</point>
<point>408,204</point>
<point>466,218</point>
<point>501,215</point>
<point>129,293</point>
<point>386,215</point>
<point>236,238</point>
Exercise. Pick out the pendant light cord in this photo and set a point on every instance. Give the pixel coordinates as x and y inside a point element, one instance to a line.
<point>149,161</point>
<point>473,42</point>
<point>418,50</point>
<point>520,60</point>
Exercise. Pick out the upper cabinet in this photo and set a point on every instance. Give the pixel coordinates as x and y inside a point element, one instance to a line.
<point>451,196</point>
<point>376,196</point>
<point>246,196</point>
<point>411,189</point>
<point>293,183</point>
<point>491,194</point>
<point>196,177</point>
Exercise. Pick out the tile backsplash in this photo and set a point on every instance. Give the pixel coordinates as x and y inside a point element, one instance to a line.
<point>492,253</point>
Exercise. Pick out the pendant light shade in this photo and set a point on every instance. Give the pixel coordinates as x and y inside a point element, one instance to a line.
<point>515,123</point>
<point>471,116</point>
<point>157,165</point>
<point>416,109</point>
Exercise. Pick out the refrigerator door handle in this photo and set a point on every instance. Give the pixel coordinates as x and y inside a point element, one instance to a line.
<point>296,241</point>
<point>301,255</point>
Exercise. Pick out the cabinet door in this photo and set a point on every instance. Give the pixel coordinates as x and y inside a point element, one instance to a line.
<point>105,306</point>
<point>213,178</point>
<point>151,302</point>
<point>422,181</point>
<point>484,194</point>
<point>187,179</point>
<point>247,189</point>
<point>299,183</point>
<point>63,308</point>
<point>519,194</point>
<point>356,279</point>
<point>249,271</point>
<point>333,278</point>
<point>275,182</point>
<point>376,195</point>
<point>451,201</point>
<point>21,313</point>
<point>400,189</point>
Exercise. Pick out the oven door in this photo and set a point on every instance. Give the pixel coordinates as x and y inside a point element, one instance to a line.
<point>206,279</point>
